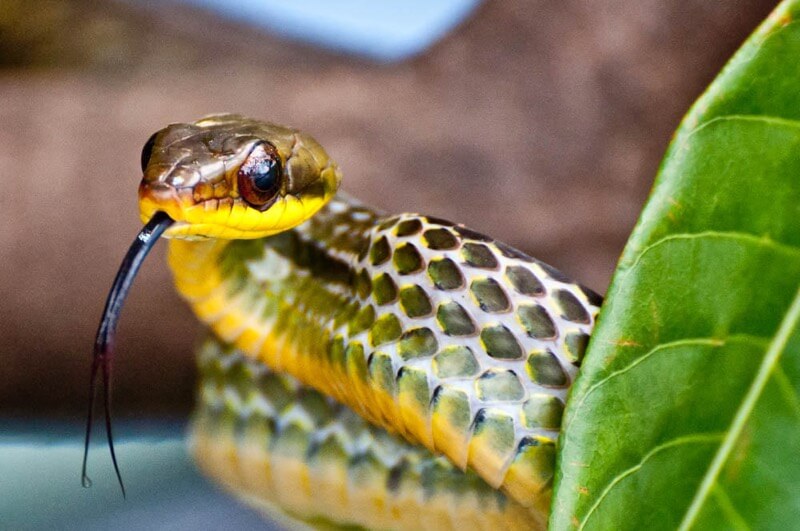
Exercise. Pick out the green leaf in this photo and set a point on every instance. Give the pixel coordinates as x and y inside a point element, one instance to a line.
<point>686,412</point>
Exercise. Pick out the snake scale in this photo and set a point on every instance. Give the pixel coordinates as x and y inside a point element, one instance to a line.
<point>361,369</point>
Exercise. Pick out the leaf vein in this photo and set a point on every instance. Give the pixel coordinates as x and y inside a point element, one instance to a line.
<point>759,241</point>
<point>695,438</point>
<point>788,392</point>
<point>768,364</point>
<point>758,118</point>
<point>727,507</point>
<point>710,341</point>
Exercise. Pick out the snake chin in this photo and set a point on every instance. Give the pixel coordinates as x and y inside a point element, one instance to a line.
<point>229,219</point>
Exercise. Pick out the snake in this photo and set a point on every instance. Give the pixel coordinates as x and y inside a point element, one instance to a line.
<point>359,369</point>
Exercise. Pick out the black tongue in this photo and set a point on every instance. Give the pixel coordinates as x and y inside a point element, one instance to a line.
<point>104,341</point>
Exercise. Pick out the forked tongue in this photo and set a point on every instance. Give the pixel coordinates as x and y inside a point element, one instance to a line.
<point>104,342</point>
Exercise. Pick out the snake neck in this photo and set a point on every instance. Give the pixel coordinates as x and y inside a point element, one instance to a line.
<point>283,299</point>
<point>428,329</point>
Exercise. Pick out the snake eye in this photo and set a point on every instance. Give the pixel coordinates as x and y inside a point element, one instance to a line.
<point>147,150</point>
<point>259,177</point>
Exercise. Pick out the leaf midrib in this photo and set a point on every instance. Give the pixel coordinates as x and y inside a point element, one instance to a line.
<point>768,364</point>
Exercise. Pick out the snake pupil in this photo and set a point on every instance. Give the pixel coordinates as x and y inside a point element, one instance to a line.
<point>260,176</point>
<point>266,175</point>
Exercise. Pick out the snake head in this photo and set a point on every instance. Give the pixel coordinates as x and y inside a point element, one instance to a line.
<point>226,176</point>
<point>223,176</point>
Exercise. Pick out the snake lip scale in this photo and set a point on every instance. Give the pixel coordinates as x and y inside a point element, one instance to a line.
<point>360,369</point>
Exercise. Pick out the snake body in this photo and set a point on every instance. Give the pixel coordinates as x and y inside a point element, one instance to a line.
<point>358,362</point>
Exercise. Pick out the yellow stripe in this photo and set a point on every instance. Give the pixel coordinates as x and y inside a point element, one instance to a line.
<point>253,457</point>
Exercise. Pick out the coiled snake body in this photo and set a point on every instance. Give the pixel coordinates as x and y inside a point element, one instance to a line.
<point>457,349</point>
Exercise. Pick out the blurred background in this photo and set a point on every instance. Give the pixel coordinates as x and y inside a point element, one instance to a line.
<point>540,123</point>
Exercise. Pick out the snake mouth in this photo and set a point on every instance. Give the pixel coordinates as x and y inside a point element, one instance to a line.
<point>229,217</point>
<point>104,341</point>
